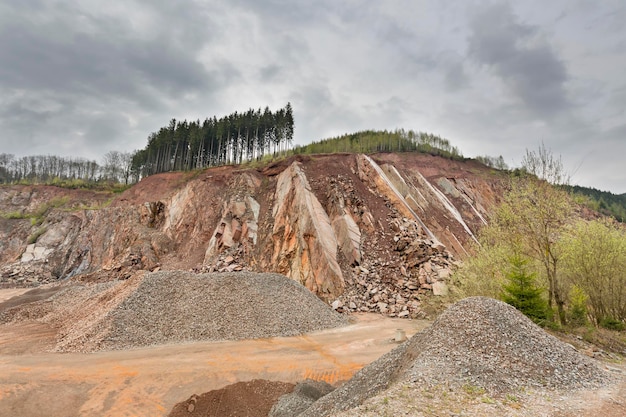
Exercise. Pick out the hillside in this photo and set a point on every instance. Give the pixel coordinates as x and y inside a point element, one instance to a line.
<point>344,225</point>
<point>605,202</point>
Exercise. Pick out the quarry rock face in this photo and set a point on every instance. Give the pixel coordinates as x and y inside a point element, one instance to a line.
<point>375,232</point>
<point>304,242</point>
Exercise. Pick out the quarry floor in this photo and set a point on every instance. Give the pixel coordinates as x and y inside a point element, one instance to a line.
<point>149,381</point>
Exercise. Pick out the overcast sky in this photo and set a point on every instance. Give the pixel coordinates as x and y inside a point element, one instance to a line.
<point>80,78</point>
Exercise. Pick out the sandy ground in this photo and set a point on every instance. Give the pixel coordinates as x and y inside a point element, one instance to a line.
<point>148,382</point>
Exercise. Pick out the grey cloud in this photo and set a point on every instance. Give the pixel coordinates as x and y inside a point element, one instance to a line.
<point>270,72</point>
<point>69,65</point>
<point>296,13</point>
<point>326,115</point>
<point>521,58</point>
<point>105,130</point>
<point>455,78</point>
<point>95,65</point>
<point>18,114</point>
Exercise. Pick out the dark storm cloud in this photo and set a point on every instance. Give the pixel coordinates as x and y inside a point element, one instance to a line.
<point>524,61</point>
<point>67,64</point>
<point>108,61</point>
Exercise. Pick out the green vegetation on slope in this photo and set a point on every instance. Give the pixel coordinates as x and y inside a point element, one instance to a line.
<point>605,202</point>
<point>579,265</point>
<point>370,141</point>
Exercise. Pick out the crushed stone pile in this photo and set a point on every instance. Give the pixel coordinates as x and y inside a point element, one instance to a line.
<point>251,399</point>
<point>480,342</point>
<point>178,306</point>
<point>488,343</point>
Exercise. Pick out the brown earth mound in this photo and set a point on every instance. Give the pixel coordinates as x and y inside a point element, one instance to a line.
<point>478,342</point>
<point>243,399</point>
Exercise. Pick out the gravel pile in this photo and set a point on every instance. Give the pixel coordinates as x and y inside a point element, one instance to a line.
<point>478,342</point>
<point>177,306</point>
<point>488,343</point>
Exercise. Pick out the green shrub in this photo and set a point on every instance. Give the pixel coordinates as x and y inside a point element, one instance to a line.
<point>14,215</point>
<point>578,306</point>
<point>612,324</point>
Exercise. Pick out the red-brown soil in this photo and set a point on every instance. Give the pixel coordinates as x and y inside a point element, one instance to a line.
<point>243,399</point>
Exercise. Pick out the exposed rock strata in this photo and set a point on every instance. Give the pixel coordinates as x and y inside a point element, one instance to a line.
<point>305,245</point>
<point>373,233</point>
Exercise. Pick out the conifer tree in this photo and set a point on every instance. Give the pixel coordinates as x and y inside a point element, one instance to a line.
<point>521,292</point>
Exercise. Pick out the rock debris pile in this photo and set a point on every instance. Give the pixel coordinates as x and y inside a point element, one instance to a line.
<point>421,266</point>
<point>487,343</point>
<point>303,395</point>
<point>27,275</point>
<point>478,342</point>
<point>231,260</point>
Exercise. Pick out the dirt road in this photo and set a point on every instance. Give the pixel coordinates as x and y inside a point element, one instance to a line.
<point>148,382</point>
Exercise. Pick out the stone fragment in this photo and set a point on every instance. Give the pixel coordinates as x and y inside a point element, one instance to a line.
<point>235,226</point>
<point>440,288</point>
<point>444,273</point>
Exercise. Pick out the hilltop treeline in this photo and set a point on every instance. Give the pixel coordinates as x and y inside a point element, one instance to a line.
<point>231,139</point>
<point>493,162</point>
<point>607,203</point>
<point>369,141</point>
<point>179,146</point>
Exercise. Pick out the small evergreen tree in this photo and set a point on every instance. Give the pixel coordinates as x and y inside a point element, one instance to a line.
<point>521,292</point>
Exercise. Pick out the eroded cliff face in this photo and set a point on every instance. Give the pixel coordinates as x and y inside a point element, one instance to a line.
<point>364,232</point>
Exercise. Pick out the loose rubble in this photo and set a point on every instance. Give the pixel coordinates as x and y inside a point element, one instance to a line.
<point>421,267</point>
<point>303,395</point>
<point>231,260</point>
